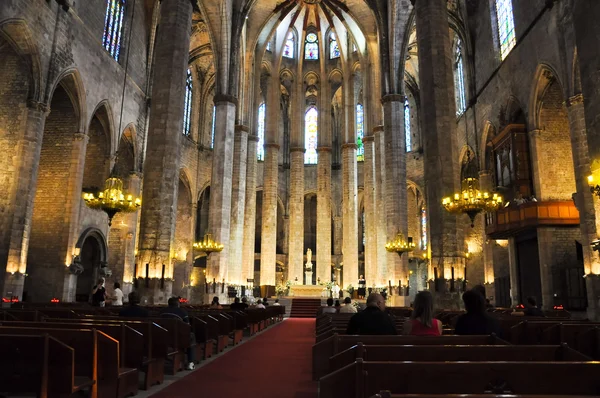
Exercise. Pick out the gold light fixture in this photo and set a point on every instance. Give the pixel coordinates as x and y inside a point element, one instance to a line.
<point>399,245</point>
<point>112,200</point>
<point>208,245</point>
<point>471,200</point>
<point>593,183</point>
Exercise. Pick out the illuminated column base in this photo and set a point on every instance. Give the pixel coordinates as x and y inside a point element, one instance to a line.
<point>153,292</point>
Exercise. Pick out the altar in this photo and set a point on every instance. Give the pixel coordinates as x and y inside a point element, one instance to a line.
<point>308,291</point>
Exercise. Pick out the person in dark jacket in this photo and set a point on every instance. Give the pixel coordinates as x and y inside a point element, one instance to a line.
<point>476,321</point>
<point>532,308</point>
<point>133,310</point>
<point>372,320</point>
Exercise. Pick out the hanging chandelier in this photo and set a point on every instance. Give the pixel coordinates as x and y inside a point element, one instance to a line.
<point>471,200</point>
<point>112,200</point>
<point>208,245</point>
<point>399,245</point>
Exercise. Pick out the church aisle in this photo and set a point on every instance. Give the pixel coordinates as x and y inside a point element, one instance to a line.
<point>275,364</point>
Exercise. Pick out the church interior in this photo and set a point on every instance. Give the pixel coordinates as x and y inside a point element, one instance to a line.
<point>301,150</point>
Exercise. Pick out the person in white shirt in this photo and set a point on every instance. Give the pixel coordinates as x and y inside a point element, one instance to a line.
<point>259,304</point>
<point>330,309</point>
<point>348,308</point>
<point>117,298</point>
<point>276,302</point>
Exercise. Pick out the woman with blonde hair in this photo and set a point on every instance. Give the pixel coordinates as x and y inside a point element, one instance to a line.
<point>422,322</point>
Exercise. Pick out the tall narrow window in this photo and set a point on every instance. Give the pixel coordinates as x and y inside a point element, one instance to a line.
<point>288,49</point>
<point>213,126</point>
<point>187,105</point>
<point>269,46</point>
<point>334,48</point>
<point>407,132</point>
<point>311,122</point>
<point>506,26</point>
<point>360,132</point>
<point>260,146</point>
<point>423,228</point>
<point>459,80</point>
<point>113,27</point>
<point>311,47</point>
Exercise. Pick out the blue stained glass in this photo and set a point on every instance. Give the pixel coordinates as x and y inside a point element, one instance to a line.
<point>187,105</point>
<point>334,48</point>
<point>423,228</point>
<point>213,127</point>
<point>311,122</point>
<point>288,49</point>
<point>260,146</point>
<point>459,81</point>
<point>311,47</point>
<point>113,27</point>
<point>407,132</point>
<point>506,26</point>
<point>360,132</point>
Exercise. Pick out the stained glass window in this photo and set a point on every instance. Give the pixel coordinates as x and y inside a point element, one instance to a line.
<point>407,132</point>
<point>360,132</point>
<point>113,27</point>
<point>334,48</point>
<point>311,122</point>
<point>311,47</point>
<point>423,228</point>
<point>187,105</point>
<point>506,26</point>
<point>459,80</point>
<point>288,50</point>
<point>269,46</point>
<point>260,146</point>
<point>213,126</point>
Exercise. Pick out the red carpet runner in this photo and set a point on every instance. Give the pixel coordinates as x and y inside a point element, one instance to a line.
<point>276,364</point>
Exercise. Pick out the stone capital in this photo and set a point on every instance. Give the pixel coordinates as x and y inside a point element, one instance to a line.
<point>575,100</point>
<point>297,149</point>
<point>80,137</point>
<point>38,106</point>
<point>220,99</point>
<point>349,146</point>
<point>323,149</point>
<point>253,138</point>
<point>368,138</point>
<point>242,128</point>
<point>136,175</point>
<point>392,98</point>
<point>377,129</point>
<point>272,145</point>
<point>535,133</point>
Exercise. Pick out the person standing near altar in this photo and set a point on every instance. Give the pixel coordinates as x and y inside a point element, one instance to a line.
<point>362,287</point>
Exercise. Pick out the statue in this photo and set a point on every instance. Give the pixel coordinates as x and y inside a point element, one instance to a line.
<point>308,259</point>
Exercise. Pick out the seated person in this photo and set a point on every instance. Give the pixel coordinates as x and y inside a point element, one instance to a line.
<point>175,311</point>
<point>276,303</point>
<point>237,306</point>
<point>133,310</point>
<point>259,304</point>
<point>373,320</point>
<point>348,308</point>
<point>265,302</point>
<point>244,302</point>
<point>330,309</point>
<point>481,290</point>
<point>476,321</point>
<point>422,322</point>
<point>532,309</point>
<point>215,304</point>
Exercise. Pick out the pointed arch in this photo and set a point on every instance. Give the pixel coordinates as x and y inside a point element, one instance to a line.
<point>70,80</point>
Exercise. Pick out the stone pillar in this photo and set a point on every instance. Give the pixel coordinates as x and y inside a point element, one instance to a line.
<point>438,127</point>
<point>350,212</point>
<point>485,183</point>
<point>395,182</point>
<point>324,214</point>
<point>17,243</point>
<point>514,273</point>
<point>370,226</point>
<point>268,249</point>
<point>381,227</point>
<point>296,247</point>
<point>250,211</point>
<point>161,168</point>
<point>238,197</point>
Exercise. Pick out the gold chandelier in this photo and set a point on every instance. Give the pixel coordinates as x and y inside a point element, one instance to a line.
<point>471,200</point>
<point>399,245</point>
<point>112,200</point>
<point>208,245</point>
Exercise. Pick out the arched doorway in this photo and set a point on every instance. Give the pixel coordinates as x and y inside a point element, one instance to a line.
<point>92,256</point>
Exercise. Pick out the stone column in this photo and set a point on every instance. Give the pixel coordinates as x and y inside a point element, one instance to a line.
<point>324,214</point>
<point>514,273</point>
<point>126,268</point>
<point>438,126</point>
<point>238,197</point>
<point>485,183</point>
<point>161,168</point>
<point>370,210</point>
<point>395,182</point>
<point>350,211</point>
<point>268,249</point>
<point>296,247</point>
<point>17,242</point>
<point>250,211</point>
<point>381,223</point>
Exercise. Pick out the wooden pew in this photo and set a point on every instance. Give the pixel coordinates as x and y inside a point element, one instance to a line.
<point>325,349</point>
<point>585,338</point>
<point>96,355</point>
<point>387,394</point>
<point>363,378</point>
<point>531,331</point>
<point>472,353</point>
<point>204,332</point>
<point>40,365</point>
<point>131,348</point>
